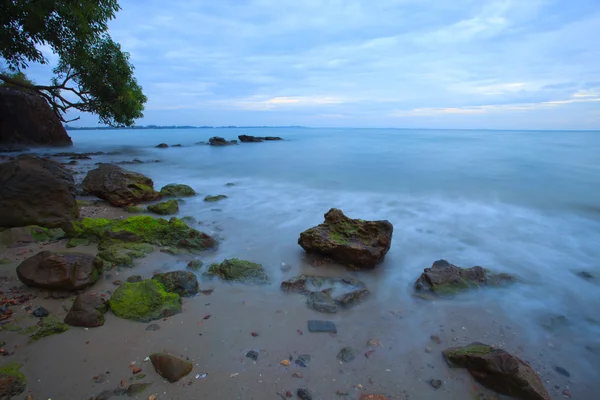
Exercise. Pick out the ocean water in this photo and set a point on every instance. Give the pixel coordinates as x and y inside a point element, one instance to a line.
<point>522,202</point>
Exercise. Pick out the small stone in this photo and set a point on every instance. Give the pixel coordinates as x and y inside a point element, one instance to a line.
<point>585,275</point>
<point>436,339</point>
<point>100,378</point>
<point>153,327</point>
<point>321,326</point>
<point>254,334</point>
<point>435,383</point>
<point>137,388</point>
<point>304,394</point>
<point>428,349</point>
<point>253,354</point>
<point>40,312</point>
<point>562,371</point>
<point>342,393</point>
<point>134,279</point>
<point>346,354</point>
<point>169,367</point>
<point>288,393</point>
<point>566,393</point>
<point>298,375</point>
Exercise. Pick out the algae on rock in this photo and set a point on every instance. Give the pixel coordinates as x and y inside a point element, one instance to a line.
<point>212,199</point>
<point>184,283</point>
<point>164,207</point>
<point>29,234</point>
<point>176,190</point>
<point>123,253</point>
<point>12,380</point>
<point>144,301</point>
<point>46,327</point>
<point>237,270</point>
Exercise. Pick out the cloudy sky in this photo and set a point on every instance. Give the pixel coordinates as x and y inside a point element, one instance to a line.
<point>497,64</point>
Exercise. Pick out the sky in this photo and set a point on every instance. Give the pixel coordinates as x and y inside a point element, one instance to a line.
<point>475,64</point>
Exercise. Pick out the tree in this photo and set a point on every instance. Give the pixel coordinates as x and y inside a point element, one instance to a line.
<point>93,73</point>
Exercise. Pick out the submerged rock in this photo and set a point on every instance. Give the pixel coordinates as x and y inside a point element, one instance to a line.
<point>40,312</point>
<point>60,271</point>
<point>212,199</point>
<point>321,302</point>
<point>165,207</point>
<point>119,186</point>
<point>321,326</point>
<point>237,270</point>
<point>498,370</point>
<point>343,292</point>
<point>346,355</point>
<point>14,237</point>
<point>353,242</point>
<point>36,191</point>
<point>195,265</point>
<point>170,367</point>
<point>249,139</point>
<point>47,327</point>
<point>444,278</point>
<point>184,283</point>
<point>12,380</point>
<point>219,141</point>
<point>177,190</point>
<point>88,310</point>
<point>144,301</point>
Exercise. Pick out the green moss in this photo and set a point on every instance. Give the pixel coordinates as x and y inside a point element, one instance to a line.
<point>135,209</point>
<point>237,270</point>
<point>165,207</point>
<point>29,234</point>
<point>12,327</point>
<point>144,301</point>
<point>74,242</point>
<point>195,265</point>
<point>12,381</point>
<point>13,369</point>
<point>4,261</point>
<point>176,190</point>
<point>212,199</point>
<point>123,253</point>
<point>48,326</point>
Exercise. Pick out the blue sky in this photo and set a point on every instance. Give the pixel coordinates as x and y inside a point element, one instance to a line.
<point>497,64</point>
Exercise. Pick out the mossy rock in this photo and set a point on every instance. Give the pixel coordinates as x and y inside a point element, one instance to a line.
<point>123,253</point>
<point>74,242</point>
<point>176,190</point>
<point>135,209</point>
<point>212,199</point>
<point>12,380</point>
<point>29,234</point>
<point>236,270</point>
<point>158,231</point>
<point>195,265</point>
<point>184,283</point>
<point>164,207</point>
<point>144,301</point>
<point>47,327</point>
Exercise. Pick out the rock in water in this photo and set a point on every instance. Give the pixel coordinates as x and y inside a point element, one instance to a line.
<point>353,242</point>
<point>212,199</point>
<point>304,394</point>
<point>87,310</point>
<point>144,301</point>
<point>321,302</point>
<point>249,139</point>
<point>26,118</point>
<point>321,326</point>
<point>119,186</point>
<point>219,141</point>
<point>346,355</point>
<point>165,207</point>
<point>184,283</point>
<point>345,292</point>
<point>176,190</point>
<point>60,271</point>
<point>236,270</point>
<point>12,381</point>
<point>498,370</point>
<point>170,367</point>
<point>36,191</point>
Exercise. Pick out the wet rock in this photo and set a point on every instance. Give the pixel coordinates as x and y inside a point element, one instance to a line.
<point>88,310</point>
<point>104,395</point>
<point>36,191</point>
<point>498,370</point>
<point>137,388</point>
<point>117,253</point>
<point>562,371</point>
<point>195,265</point>
<point>444,278</point>
<point>165,207</point>
<point>47,327</point>
<point>40,312</point>
<point>170,367</point>
<point>74,242</point>
<point>144,301</point>
<point>153,327</point>
<point>353,242</point>
<point>119,186</point>
<point>135,278</point>
<point>345,292</point>
<point>177,190</point>
<point>253,354</point>
<point>321,326</point>
<point>236,270</point>
<point>346,354</point>
<point>162,146</point>
<point>60,271</point>
<point>321,302</point>
<point>12,381</point>
<point>304,394</point>
<point>184,283</point>
<point>435,383</point>
<point>212,199</point>
<point>219,141</point>
<point>24,235</point>
<point>249,139</point>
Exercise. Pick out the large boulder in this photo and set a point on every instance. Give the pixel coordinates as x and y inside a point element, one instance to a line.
<point>36,191</point>
<point>498,370</point>
<point>236,270</point>
<point>119,186</point>
<point>27,119</point>
<point>249,139</point>
<point>88,310</point>
<point>356,243</point>
<point>60,271</point>
<point>144,301</point>
<point>184,283</point>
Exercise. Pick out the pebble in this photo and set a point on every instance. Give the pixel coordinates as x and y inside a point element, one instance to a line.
<point>321,326</point>
<point>40,312</point>
<point>153,327</point>
<point>562,371</point>
<point>304,394</point>
<point>436,339</point>
<point>253,354</point>
<point>435,383</point>
<point>346,354</point>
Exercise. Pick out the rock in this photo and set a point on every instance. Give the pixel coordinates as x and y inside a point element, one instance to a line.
<point>346,354</point>
<point>345,292</point>
<point>60,271</point>
<point>353,242</point>
<point>444,278</point>
<point>177,190</point>
<point>321,302</point>
<point>119,186</point>
<point>373,397</point>
<point>212,199</point>
<point>177,145</point>
<point>253,354</point>
<point>170,367</point>
<point>585,275</point>
<point>435,383</point>
<point>40,312</point>
<point>219,141</point>
<point>105,395</point>
<point>135,278</point>
<point>88,310</point>
<point>153,327</point>
<point>162,146</point>
<point>165,207</point>
<point>304,394</point>
<point>195,265</point>
<point>47,327</point>
<point>12,381</point>
<point>118,253</point>
<point>74,242</point>
<point>137,388</point>
<point>144,301</point>
<point>20,236</point>
<point>36,191</point>
<point>271,138</point>
<point>230,184</point>
<point>27,119</point>
<point>184,283</point>
<point>321,326</point>
<point>236,270</point>
<point>498,370</point>
<point>562,371</point>
<point>249,139</point>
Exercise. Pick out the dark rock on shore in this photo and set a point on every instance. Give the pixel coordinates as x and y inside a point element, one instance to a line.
<point>165,207</point>
<point>184,283</point>
<point>304,394</point>
<point>498,370</point>
<point>353,242</point>
<point>321,302</point>
<point>27,119</point>
<point>177,190</point>
<point>144,301</point>
<point>343,292</point>
<point>219,141</point>
<point>88,310</point>
<point>12,381</point>
<point>40,312</point>
<point>236,270</point>
<point>36,191</point>
<point>321,326</point>
<point>170,367</point>
<point>60,271</point>
<point>119,186</point>
<point>444,278</point>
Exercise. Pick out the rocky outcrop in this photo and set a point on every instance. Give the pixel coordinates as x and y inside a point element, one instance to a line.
<point>235,270</point>
<point>176,190</point>
<point>249,139</point>
<point>170,367</point>
<point>60,271</point>
<point>444,278</point>
<point>219,141</point>
<point>165,207</point>
<point>498,370</point>
<point>36,191</point>
<point>184,283</point>
<point>88,310</point>
<point>119,186</point>
<point>355,243</point>
<point>144,301</point>
<point>27,119</point>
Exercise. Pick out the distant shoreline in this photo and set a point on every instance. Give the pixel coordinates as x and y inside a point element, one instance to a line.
<point>91,128</point>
